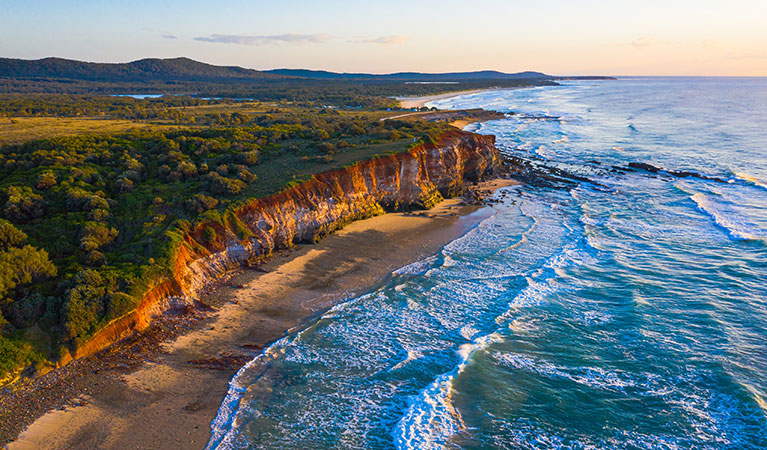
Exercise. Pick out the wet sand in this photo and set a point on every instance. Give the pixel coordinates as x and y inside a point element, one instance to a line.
<point>169,401</point>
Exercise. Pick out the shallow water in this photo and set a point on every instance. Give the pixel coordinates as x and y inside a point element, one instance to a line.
<point>627,313</point>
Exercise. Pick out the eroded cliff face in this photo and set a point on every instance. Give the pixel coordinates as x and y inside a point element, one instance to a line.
<point>416,179</point>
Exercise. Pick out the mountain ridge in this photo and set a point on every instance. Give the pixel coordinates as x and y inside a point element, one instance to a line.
<point>186,69</point>
<point>148,69</point>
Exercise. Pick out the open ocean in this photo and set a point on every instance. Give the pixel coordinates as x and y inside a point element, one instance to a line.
<point>624,310</point>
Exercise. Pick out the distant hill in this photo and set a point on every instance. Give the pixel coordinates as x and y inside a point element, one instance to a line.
<point>413,76</point>
<point>185,69</point>
<point>176,69</point>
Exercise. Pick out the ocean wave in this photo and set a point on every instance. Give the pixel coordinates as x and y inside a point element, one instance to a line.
<point>544,152</point>
<point>416,268</point>
<point>594,377</point>
<point>431,418</point>
<point>734,227</point>
<point>751,179</point>
<point>225,428</point>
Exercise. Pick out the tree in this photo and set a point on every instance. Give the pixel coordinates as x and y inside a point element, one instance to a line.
<point>96,235</point>
<point>23,205</point>
<point>10,236</point>
<point>23,265</point>
<point>201,203</point>
<point>46,180</point>
<point>223,185</point>
<point>84,304</point>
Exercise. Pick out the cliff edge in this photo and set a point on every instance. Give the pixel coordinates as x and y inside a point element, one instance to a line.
<point>304,213</point>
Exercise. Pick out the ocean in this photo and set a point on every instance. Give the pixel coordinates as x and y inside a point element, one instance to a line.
<point>615,308</point>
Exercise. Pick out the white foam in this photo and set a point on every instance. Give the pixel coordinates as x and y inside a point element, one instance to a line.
<point>468,331</point>
<point>412,355</point>
<point>594,377</point>
<point>416,268</point>
<point>733,226</point>
<point>751,179</point>
<point>431,418</point>
<point>225,427</point>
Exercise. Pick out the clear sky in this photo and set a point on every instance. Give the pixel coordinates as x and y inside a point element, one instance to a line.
<point>650,37</point>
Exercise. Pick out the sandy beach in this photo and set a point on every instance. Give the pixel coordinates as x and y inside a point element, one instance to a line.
<point>419,102</point>
<point>168,398</point>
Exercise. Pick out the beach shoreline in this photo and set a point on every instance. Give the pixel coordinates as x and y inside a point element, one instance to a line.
<point>180,375</point>
<point>420,102</point>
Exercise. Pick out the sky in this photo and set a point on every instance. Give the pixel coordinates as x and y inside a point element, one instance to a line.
<point>587,37</point>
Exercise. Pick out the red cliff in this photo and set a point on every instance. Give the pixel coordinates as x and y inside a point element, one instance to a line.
<point>418,178</point>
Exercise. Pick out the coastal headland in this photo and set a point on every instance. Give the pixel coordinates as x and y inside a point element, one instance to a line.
<point>192,338</point>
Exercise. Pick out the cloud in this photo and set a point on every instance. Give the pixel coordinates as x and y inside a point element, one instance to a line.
<point>164,34</point>
<point>646,42</point>
<point>399,39</point>
<point>289,38</point>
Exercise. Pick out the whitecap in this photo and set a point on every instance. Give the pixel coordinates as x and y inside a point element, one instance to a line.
<point>734,226</point>
<point>751,179</point>
<point>431,418</point>
<point>416,268</point>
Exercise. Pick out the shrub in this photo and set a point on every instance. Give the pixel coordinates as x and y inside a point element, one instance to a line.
<point>13,354</point>
<point>201,203</point>
<point>46,180</point>
<point>223,185</point>
<point>10,236</point>
<point>249,158</point>
<point>84,303</point>
<point>95,235</point>
<point>23,205</point>
<point>208,235</point>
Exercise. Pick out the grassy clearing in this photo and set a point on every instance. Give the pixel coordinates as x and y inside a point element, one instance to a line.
<point>21,129</point>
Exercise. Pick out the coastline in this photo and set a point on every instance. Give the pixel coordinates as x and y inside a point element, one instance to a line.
<point>419,102</point>
<point>185,377</point>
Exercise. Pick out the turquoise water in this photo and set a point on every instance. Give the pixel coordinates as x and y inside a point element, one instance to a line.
<point>625,312</point>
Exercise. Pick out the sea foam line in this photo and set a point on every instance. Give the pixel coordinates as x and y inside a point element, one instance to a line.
<point>431,417</point>
<point>751,179</point>
<point>225,427</point>
<point>733,228</point>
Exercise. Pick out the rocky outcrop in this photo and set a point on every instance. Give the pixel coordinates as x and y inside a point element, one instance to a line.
<point>304,213</point>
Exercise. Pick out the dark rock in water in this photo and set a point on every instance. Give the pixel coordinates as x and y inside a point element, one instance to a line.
<point>644,166</point>
<point>674,173</point>
<point>686,174</point>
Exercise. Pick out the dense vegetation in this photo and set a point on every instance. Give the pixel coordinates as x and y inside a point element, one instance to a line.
<point>90,221</point>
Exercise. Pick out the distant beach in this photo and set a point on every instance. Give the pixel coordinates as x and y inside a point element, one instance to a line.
<point>419,102</point>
